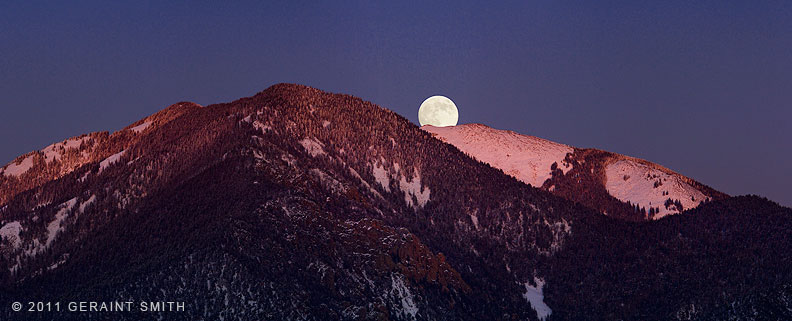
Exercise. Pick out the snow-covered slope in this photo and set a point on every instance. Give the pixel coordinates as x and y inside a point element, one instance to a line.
<point>651,187</point>
<point>593,177</point>
<point>62,158</point>
<point>526,158</point>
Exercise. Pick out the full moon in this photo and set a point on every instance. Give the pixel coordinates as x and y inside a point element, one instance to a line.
<point>438,111</point>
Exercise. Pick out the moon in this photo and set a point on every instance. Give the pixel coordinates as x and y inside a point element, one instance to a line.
<point>438,111</point>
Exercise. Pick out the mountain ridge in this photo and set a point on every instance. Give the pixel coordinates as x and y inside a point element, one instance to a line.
<point>317,154</point>
<point>295,203</point>
<point>586,175</point>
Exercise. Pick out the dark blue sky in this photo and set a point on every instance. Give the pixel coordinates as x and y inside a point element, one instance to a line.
<point>702,87</point>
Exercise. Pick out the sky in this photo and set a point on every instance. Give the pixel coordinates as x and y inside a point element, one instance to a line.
<point>701,87</point>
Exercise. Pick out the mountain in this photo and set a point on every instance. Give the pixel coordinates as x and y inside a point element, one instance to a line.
<point>36,168</point>
<point>614,184</point>
<point>298,204</point>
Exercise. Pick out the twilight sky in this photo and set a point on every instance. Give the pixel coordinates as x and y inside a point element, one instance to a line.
<point>704,87</point>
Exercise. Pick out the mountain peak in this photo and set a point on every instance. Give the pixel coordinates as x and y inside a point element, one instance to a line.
<point>289,91</point>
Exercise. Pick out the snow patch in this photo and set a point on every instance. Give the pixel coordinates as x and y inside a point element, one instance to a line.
<point>110,160</point>
<point>402,293</point>
<point>474,218</point>
<point>414,188</point>
<point>141,127</point>
<point>87,202</point>
<point>42,203</point>
<point>54,227</point>
<point>649,187</point>
<point>535,297</point>
<point>84,177</point>
<point>10,232</point>
<point>55,151</point>
<point>381,176</point>
<point>51,153</point>
<point>14,169</point>
<point>312,146</point>
<point>261,126</point>
<point>523,157</point>
<point>325,123</point>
